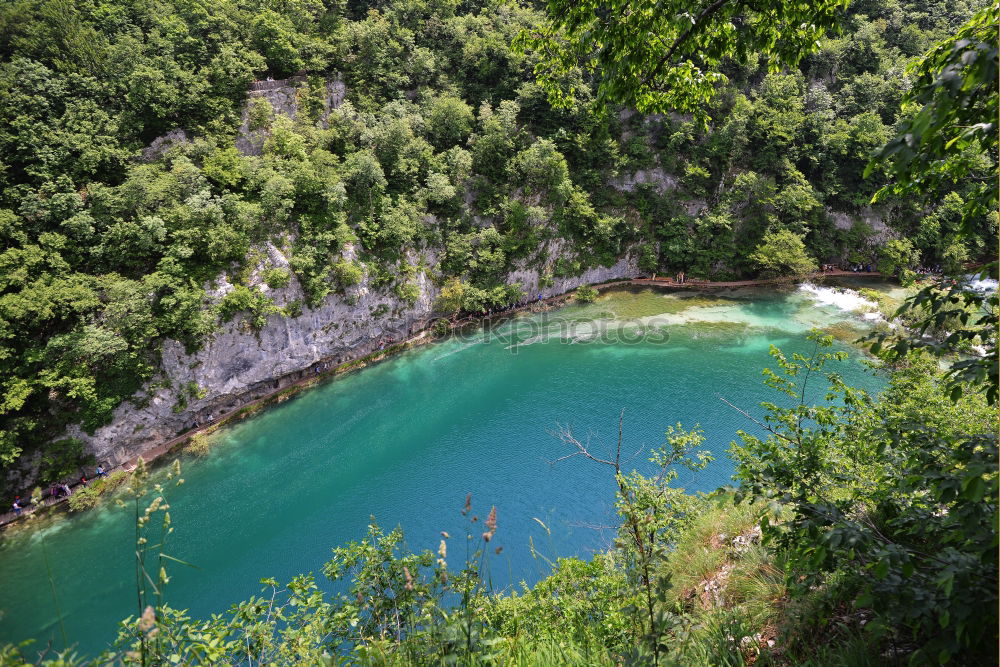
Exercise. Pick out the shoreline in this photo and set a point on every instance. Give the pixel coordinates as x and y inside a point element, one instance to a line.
<point>319,371</point>
<point>691,284</point>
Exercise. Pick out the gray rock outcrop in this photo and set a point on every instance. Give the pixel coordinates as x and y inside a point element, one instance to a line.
<point>239,365</point>
<point>283,97</point>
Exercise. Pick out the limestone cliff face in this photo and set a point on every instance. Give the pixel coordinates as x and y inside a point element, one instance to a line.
<point>238,365</point>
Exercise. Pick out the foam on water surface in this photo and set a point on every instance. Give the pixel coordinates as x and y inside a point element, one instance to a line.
<point>846,300</point>
<point>985,285</point>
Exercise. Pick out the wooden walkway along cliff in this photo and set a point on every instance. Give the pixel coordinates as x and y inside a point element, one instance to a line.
<point>692,283</point>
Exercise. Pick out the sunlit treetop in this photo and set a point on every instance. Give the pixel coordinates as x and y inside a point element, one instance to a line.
<point>950,132</point>
<point>664,55</point>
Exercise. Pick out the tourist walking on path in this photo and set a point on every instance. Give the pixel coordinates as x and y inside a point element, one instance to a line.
<point>17,506</point>
<point>100,472</point>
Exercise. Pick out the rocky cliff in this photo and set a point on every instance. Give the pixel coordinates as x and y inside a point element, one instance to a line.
<point>238,364</point>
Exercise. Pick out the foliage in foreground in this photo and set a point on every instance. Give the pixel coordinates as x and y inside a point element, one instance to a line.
<point>864,532</point>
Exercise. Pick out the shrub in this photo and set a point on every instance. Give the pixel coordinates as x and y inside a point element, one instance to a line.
<point>113,481</point>
<point>243,299</point>
<point>884,306</point>
<point>277,278</point>
<point>565,268</point>
<point>408,291</point>
<point>347,274</point>
<point>260,113</point>
<point>452,295</point>
<point>697,178</point>
<point>84,498</point>
<point>441,327</point>
<point>586,294</point>
<point>61,458</point>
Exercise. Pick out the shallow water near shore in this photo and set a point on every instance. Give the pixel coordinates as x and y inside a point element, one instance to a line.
<point>406,439</point>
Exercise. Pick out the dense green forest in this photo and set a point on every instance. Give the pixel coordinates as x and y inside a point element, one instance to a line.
<point>864,530</point>
<point>444,141</point>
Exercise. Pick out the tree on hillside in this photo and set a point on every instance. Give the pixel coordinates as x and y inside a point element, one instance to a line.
<point>898,258</point>
<point>452,296</point>
<point>783,253</point>
<point>950,133</point>
<point>661,56</point>
<point>449,122</point>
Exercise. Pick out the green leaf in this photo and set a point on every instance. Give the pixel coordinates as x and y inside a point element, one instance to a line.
<point>974,488</point>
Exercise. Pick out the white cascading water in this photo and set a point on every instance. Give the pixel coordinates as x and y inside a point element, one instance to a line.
<point>846,300</point>
<point>977,284</point>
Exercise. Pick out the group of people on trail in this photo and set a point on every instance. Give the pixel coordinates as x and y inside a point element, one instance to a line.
<point>61,489</point>
<point>679,277</point>
<point>56,490</point>
<point>856,268</point>
<point>388,340</point>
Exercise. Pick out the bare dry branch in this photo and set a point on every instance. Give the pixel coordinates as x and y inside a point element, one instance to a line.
<point>756,421</point>
<point>565,434</point>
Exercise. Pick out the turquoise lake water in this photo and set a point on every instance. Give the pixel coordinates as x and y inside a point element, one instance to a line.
<point>405,440</point>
